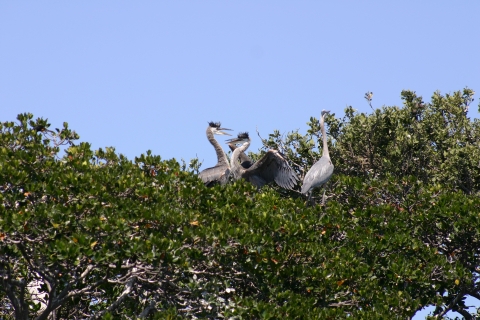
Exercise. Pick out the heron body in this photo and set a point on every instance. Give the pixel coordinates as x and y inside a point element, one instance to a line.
<point>322,170</point>
<point>215,175</point>
<point>318,174</point>
<point>220,173</point>
<point>273,166</point>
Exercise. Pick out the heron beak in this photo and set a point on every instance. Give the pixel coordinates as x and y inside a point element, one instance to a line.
<point>220,131</point>
<point>233,140</point>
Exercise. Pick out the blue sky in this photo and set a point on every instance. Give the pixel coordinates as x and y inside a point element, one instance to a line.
<point>150,74</point>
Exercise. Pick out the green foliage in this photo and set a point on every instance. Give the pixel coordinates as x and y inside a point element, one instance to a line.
<point>435,142</point>
<point>102,236</point>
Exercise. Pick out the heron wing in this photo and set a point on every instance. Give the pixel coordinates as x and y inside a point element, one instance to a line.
<point>214,175</point>
<point>318,174</point>
<point>273,166</point>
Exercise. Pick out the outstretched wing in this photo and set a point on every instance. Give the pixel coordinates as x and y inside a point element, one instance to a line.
<point>273,166</point>
<point>218,174</point>
<point>318,174</point>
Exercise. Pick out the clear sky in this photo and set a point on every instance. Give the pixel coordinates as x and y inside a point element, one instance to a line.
<point>139,75</point>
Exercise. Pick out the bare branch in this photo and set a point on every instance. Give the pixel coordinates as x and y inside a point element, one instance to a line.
<point>147,310</point>
<point>451,305</point>
<point>123,295</point>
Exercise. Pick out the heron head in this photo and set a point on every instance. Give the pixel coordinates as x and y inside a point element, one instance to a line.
<point>324,112</point>
<point>242,137</point>
<point>216,128</point>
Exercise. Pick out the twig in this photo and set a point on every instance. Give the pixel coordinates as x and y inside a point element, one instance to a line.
<point>258,133</point>
<point>451,305</point>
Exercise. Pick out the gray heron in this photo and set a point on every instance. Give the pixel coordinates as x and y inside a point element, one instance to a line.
<point>273,166</point>
<point>221,171</point>
<point>322,170</point>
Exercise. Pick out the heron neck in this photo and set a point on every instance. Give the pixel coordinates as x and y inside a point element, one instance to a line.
<point>324,135</point>
<point>221,156</point>
<point>234,164</point>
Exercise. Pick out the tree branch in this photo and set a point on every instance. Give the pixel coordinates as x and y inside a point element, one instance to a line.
<point>451,305</point>
<point>147,310</point>
<point>123,295</point>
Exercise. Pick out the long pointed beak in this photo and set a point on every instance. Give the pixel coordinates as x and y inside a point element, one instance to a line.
<point>233,140</point>
<point>220,131</point>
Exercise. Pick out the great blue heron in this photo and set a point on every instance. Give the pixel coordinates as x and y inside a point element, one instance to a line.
<point>221,171</point>
<point>271,167</point>
<point>322,170</point>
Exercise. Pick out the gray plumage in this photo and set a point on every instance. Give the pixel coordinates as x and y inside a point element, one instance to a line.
<point>245,160</point>
<point>322,170</point>
<point>221,171</point>
<point>273,166</point>
<point>318,174</point>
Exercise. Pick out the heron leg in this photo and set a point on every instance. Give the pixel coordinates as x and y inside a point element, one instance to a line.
<point>309,200</point>
<point>323,197</point>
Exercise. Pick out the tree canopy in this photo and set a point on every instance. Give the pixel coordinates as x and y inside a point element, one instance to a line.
<point>90,234</point>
